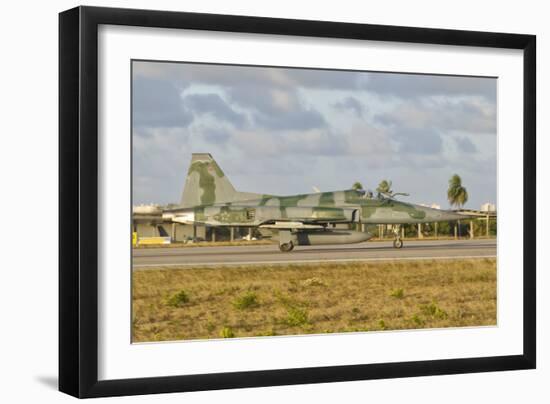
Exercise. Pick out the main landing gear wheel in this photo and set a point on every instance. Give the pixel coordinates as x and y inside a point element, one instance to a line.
<point>286,247</point>
<point>397,243</point>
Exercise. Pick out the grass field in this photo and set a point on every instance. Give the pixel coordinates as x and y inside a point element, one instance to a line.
<point>264,300</point>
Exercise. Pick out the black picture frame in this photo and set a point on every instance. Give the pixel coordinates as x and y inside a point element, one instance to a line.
<point>78,201</point>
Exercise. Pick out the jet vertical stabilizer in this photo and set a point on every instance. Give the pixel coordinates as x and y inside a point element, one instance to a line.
<point>207,184</point>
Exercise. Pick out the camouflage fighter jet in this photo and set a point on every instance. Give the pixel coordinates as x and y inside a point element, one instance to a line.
<point>209,199</point>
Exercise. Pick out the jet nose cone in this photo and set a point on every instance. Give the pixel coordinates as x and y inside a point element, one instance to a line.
<point>448,215</point>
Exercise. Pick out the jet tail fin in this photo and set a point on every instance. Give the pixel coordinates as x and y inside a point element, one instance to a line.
<point>207,184</point>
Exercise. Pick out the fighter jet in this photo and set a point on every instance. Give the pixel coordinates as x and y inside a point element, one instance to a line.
<point>209,199</point>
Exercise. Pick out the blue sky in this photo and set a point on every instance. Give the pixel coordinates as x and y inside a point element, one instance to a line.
<point>284,131</point>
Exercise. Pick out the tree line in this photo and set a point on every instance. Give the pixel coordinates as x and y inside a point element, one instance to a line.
<point>457,194</point>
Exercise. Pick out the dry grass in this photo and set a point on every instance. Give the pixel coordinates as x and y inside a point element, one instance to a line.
<point>256,300</point>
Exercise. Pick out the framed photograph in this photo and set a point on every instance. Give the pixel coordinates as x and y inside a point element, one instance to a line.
<point>250,201</point>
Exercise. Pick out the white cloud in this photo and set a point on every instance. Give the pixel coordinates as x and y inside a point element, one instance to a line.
<point>283,130</point>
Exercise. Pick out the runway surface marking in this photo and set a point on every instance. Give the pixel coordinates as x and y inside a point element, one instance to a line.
<point>270,254</point>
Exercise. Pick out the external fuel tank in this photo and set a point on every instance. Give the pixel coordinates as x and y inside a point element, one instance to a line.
<point>327,236</point>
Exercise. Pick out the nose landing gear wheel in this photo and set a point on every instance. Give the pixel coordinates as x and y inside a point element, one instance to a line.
<point>286,247</point>
<point>397,243</point>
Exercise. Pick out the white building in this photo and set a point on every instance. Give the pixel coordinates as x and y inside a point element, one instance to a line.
<point>488,207</point>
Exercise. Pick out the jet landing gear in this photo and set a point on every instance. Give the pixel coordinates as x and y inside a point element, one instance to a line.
<point>397,243</point>
<point>286,247</point>
<point>285,241</point>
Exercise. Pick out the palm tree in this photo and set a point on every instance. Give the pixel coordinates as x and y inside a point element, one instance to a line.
<point>457,194</point>
<point>357,186</point>
<point>384,187</point>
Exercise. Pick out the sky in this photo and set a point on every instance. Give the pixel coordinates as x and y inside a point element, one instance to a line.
<point>284,131</point>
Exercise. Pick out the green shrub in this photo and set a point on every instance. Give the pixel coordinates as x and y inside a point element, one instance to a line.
<point>296,316</point>
<point>434,311</point>
<point>227,332</point>
<point>382,324</point>
<point>178,299</point>
<point>246,301</point>
<point>417,320</point>
<point>397,293</point>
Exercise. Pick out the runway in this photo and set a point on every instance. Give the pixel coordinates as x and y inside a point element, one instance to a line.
<point>270,254</point>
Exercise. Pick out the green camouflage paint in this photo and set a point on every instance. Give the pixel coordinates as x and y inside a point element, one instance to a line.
<point>327,199</point>
<point>206,181</point>
<point>214,201</point>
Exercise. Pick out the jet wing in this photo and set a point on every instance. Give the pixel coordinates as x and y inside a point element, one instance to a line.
<point>289,217</point>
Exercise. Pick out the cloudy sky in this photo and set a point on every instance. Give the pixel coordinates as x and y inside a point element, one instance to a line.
<point>284,131</point>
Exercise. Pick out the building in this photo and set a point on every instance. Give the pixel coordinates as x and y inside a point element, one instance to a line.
<point>147,221</point>
<point>488,207</point>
